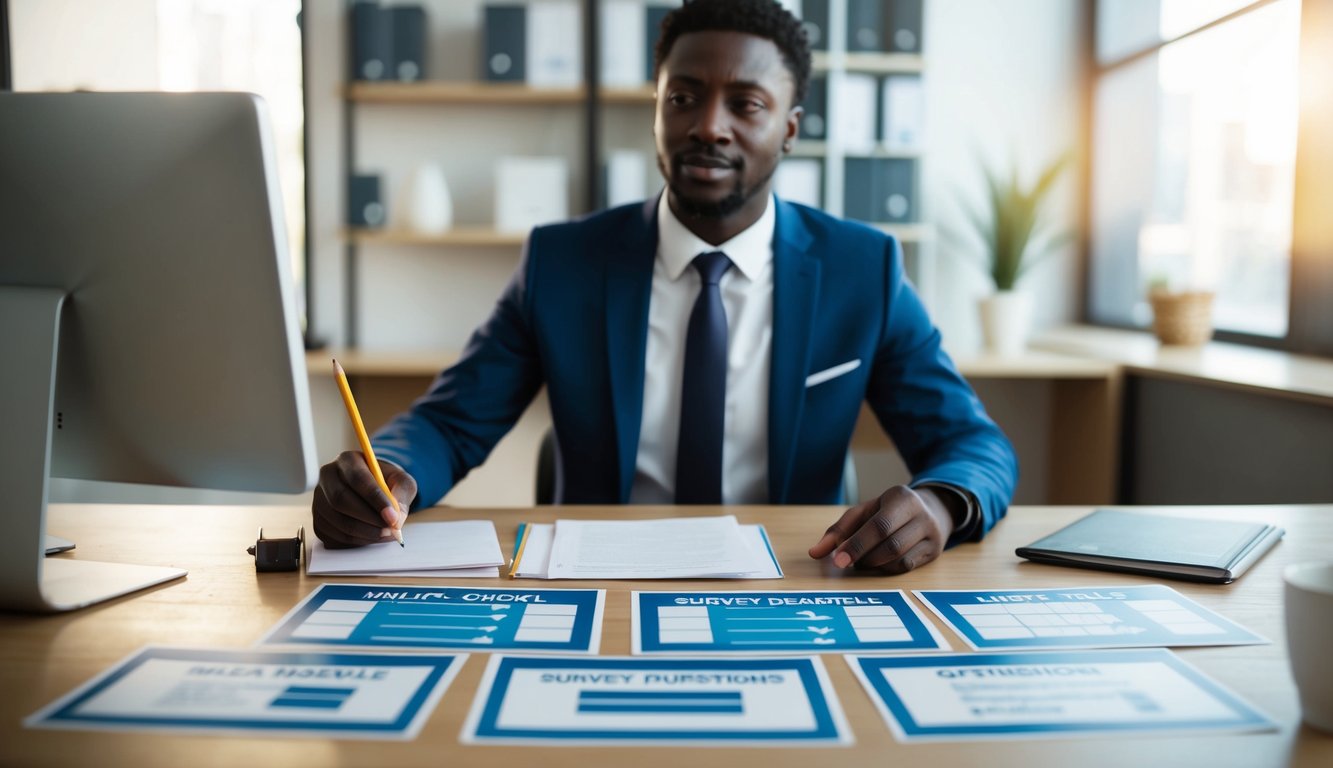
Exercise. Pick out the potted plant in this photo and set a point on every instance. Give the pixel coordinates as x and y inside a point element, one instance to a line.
<point>1010,230</point>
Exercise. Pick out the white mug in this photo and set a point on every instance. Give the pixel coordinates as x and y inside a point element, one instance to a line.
<point>1308,601</point>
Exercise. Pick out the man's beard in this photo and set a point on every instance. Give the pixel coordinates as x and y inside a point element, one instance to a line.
<point>713,209</point>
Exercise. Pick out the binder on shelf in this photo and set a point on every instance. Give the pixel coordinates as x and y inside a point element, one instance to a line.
<point>865,25</point>
<point>365,207</point>
<point>814,19</point>
<point>856,119</point>
<point>904,26</point>
<point>622,54</point>
<point>372,42</point>
<point>652,27</point>
<point>880,189</point>
<point>409,42</point>
<point>504,52</point>
<point>530,191</point>
<point>902,113</point>
<point>554,44</point>
<point>626,177</point>
<point>814,123</point>
<point>799,180</point>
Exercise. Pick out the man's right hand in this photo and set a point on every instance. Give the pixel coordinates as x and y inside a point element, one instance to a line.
<point>349,508</point>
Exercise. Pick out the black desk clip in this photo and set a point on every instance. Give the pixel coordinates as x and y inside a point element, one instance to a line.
<point>278,554</point>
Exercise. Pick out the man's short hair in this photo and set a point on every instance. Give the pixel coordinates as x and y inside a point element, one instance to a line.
<point>762,18</point>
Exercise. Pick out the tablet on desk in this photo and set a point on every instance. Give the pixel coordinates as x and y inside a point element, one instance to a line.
<point>1215,551</point>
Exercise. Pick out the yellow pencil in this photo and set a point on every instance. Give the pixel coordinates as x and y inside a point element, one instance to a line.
<point>518,550</point>
<point>364,439</point>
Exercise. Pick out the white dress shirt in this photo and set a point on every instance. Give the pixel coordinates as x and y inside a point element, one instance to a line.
<point>747,296</point>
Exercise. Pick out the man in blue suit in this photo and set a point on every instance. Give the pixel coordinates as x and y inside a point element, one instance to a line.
<point>713,345</point>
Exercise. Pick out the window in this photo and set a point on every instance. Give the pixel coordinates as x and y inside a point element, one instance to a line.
<point>1196,109</point>
<point>176,45</point>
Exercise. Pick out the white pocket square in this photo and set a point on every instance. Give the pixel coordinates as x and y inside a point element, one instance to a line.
<point>831,373</point>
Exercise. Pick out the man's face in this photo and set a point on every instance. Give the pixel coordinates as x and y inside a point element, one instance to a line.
<point>724,109</point>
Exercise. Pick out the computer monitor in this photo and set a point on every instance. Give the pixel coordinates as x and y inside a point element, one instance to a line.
<point>148,332</point>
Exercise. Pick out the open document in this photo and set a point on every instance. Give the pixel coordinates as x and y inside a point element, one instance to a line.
<point>455,548</point>
<point>672,548</point>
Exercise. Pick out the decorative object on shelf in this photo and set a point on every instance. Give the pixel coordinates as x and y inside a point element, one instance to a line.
<point>1182,318</point>
<point>365,208</point>
<point>1009,233</point>
<point>530,191</point>
<point>429,206</point>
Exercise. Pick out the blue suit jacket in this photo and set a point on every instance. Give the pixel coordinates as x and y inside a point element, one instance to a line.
<point>575,318</point>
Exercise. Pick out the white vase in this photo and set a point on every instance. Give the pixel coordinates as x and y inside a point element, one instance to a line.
<point>430,207</point>
<point>1005,318</point>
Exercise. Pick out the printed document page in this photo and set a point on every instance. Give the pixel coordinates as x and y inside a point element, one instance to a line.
<point>687,547</point>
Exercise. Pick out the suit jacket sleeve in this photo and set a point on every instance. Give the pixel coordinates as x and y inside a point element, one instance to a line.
<point>935,420</point>
<point>470,406</point>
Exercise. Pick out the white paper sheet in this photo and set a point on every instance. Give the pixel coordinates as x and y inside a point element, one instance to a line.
<point>536,555</point>
<point>430,546</point>
<point>484,572</point>
<point>686,547</point>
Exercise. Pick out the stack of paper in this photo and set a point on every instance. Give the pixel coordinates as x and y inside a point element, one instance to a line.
<point>674,548</point>
<point>461,548</point>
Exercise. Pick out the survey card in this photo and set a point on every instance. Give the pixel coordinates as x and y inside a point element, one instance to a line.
<point>679,702</point>
<point>779,622</point>
<point>382,616</point>
<point>1048,694</point>
<point>1083,617</point>
<point>275,693</point>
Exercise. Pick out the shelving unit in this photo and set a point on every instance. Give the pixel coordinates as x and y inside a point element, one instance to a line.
<point>606,119</point>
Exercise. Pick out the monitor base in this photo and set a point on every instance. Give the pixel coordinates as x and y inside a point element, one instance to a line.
<point>68,585</point>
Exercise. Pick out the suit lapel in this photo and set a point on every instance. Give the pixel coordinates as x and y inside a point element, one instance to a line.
<point>795,289</point>
<point>629,279</point>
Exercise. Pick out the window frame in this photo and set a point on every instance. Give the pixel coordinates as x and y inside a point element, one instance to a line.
<point>1310,296</point>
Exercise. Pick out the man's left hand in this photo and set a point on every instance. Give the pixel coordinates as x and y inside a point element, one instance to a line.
<point>903,529</point>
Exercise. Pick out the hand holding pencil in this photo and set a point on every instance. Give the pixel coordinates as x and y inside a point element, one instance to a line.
<point>360,500</point>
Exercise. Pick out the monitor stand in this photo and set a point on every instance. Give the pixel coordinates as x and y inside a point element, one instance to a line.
<point>29,581</point>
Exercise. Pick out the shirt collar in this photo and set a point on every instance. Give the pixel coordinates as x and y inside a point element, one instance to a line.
<point>750,251</point>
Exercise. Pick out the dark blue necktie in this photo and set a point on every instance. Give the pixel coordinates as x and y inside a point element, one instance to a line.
<point>703,389</point>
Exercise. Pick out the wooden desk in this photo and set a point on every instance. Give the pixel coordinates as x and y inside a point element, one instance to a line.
<point>225,604</point>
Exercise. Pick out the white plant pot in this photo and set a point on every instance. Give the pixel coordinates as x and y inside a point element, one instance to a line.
<point>1005,319</point>
<point>430,207</point>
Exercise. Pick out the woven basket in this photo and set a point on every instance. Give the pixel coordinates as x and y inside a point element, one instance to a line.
<point>1182,318</point>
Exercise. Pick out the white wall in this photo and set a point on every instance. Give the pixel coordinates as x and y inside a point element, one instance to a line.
<point>1002,83</point>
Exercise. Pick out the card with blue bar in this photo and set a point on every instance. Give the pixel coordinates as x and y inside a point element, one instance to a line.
<point>467,618</point>
<point>259,693</point>
<point>607,700</point>
<point>692,623</point>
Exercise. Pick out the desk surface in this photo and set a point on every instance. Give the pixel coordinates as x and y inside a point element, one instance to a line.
<point>225,604</point>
